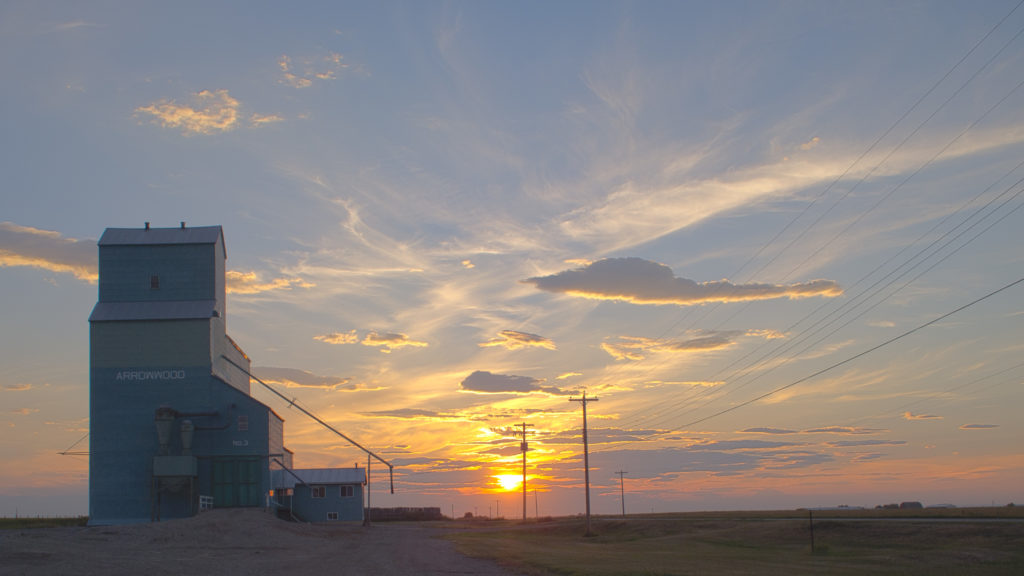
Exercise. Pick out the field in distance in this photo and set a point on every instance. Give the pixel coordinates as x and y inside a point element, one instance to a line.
<point>924,541</point>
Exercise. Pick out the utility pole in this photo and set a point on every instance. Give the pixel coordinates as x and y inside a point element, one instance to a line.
<point>524,447</point>
<point>622,490</point>
<point>586,455</point>
<point>366,521</point>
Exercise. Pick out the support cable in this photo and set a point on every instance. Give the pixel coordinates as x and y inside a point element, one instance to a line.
<point>291,402</point>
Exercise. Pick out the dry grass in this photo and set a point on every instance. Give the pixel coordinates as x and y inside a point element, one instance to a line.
<point>932,542</point>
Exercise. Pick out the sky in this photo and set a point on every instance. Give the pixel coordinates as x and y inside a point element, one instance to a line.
<point>776,243</point>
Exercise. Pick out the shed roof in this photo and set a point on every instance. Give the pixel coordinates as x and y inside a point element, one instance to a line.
<point>157,310</point>
<point>157,236</point>
<point>284,479</point>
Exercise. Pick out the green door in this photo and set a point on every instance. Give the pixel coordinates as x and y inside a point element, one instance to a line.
<point>236,482</point>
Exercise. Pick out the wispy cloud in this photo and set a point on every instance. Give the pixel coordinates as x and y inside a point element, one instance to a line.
<point>257,120</point>
<point>644,282</point>
<point>17,387</point>
<point>513,340</point>
<point>910,416</point>
<point>386,341</point>
<point>304,73</point>
<point>209,112</point>
<point>851,430</point>
<point>295,378</point>
<point>24,411</point>
<point>251,282</point>
<point>47,250</point>
<point>978,426</point>
<point>634,347</point>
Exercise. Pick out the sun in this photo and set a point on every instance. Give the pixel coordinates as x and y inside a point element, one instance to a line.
<point>509,481</point>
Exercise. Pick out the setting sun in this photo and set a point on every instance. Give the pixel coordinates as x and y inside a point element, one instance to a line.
<point>509,481</point>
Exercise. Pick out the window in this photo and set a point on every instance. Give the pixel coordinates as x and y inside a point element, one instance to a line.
<point>243,423</point>
<point>347,491</point>
<point>318,491</point>
<point>332,515</point>
<point>154,282</point>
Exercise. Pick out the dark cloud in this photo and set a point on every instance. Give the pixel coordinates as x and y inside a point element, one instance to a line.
<point>634,347</point>
<point>768,431</point>
<point>727,445</point>
<point>487,383</point>
<point>978,426</point>
<point>850,443</point>
<point>513,340</point>
<point>413,414</point>
<point>644,282</point>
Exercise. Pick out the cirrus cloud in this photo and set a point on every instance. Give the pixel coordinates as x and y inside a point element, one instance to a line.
<point>634,347</point>
<point>641,281</point>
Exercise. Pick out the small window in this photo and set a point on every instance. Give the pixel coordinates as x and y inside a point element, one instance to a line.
<point>318,491</point>
<point>347,492</point>
<point>332,515</point>
<point>243,423</point>
<point>154,282</point>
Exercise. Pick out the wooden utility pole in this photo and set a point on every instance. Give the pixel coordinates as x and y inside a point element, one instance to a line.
<point>586,455</point>
<point>622,490</point>
<point>524,447</point>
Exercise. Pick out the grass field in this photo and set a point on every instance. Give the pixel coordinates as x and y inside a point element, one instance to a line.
<point>28,523</point>
<point>930,541</point>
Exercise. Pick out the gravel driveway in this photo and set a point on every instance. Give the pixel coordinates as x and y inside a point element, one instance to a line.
<point>237,541</point>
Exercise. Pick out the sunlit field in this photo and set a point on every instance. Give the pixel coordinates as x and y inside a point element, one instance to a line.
<point>930,541</point>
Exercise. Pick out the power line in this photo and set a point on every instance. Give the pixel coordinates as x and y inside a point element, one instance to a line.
<point>852,358</point>
<point>863,155</point>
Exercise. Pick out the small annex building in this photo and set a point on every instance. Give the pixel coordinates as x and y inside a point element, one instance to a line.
<point>173,425</point>
<point>320,494</point>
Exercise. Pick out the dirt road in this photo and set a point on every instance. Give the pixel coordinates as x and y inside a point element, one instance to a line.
<point>239,541</point>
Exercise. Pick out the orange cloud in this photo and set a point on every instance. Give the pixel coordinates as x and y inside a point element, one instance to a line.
<point>349,337</point>
<point>210,112</point>
<point>251,283</point>
<point>47,250</point>
<point>641,281</point>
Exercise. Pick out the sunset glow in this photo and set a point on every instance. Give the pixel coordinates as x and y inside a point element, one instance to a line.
<point>777,243</point>
<point>509,481</point>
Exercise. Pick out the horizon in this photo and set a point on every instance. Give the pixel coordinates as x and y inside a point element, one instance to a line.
<point>779,242</point>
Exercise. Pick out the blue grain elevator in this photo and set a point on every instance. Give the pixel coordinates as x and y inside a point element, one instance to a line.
<point>172,423</point>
